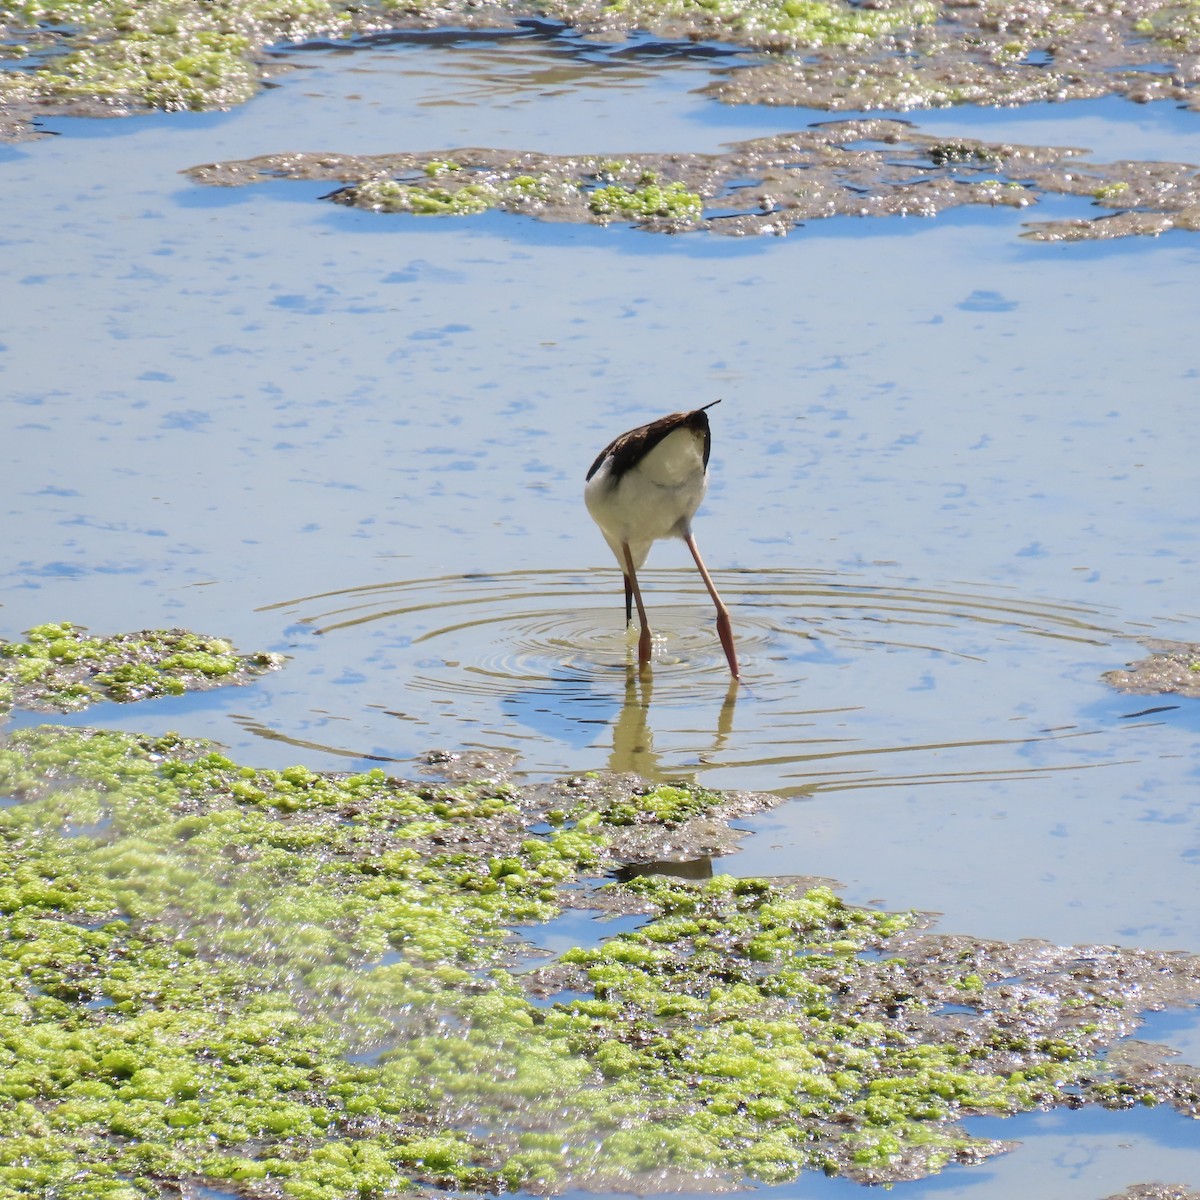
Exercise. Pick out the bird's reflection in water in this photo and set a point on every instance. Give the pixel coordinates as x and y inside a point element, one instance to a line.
<point>633,750</point>
<point>633,738</point>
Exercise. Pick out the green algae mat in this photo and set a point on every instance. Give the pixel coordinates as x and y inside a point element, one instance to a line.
<point>284,983</point>
<point>60,667</point>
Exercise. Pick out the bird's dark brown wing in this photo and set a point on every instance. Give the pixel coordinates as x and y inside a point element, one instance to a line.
<point>630,448</point>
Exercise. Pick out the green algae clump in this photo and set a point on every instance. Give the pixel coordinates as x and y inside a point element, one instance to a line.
<point>447,190</point>
<point>672,200</point>
<point>61,667</point>
<point>165,54</point>
<point>446,187</point>
<point>784,24</point>
<point>387,195</point>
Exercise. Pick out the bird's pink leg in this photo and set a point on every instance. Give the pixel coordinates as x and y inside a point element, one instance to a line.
<point>631,585</point>
<point>628,603</point>
<point>724,628</point>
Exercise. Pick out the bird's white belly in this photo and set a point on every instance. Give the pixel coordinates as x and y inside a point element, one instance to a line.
<point>655,499</point>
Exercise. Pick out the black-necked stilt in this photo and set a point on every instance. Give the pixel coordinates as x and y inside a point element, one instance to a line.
<point>645,485</point>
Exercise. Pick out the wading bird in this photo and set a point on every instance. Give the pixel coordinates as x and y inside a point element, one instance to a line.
<point>645,485</point>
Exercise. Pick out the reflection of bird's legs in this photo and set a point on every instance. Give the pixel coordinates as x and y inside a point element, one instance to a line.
<point>725,717</point>
<point>632,737</point>
<point>724,628</point>
<point>631,584</point>
<point>639,691</point>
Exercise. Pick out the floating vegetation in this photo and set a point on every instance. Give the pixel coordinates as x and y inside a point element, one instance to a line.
<point>62,668</point>
<point>295,984</point>
<point>1170,667</point>
<point>860,168</point>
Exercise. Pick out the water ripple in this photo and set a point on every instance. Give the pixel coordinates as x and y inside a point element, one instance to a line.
<point>849,681</point>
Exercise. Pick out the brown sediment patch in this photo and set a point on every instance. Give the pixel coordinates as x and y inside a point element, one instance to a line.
<point>1034,992</point>
<point>864,168</point>
<point>643,823</point>
<point>993,53</point>
<point>1156,1191</point>
<point>1170,667</point>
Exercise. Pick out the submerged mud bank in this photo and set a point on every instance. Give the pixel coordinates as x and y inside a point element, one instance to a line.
<point>862,168</point>
<point>1157,1191</point>
<point>296,984</point>
<point>995,53</point>
<point>1170,667</point>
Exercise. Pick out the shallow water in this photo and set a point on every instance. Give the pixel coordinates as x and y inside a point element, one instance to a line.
<point>952,482</point>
